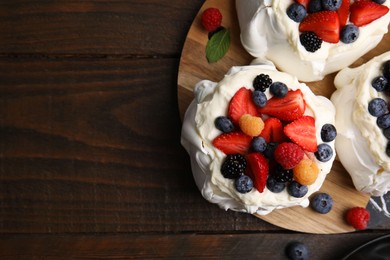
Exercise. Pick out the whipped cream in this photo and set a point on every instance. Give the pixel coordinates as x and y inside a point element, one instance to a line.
<point>360,143</point>
<point>211,100</point>
<point>268,33</point>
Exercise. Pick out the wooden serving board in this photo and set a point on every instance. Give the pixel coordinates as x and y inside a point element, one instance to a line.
<point>194,67</point>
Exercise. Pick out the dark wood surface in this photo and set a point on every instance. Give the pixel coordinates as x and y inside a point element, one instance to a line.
<point>91,164</point>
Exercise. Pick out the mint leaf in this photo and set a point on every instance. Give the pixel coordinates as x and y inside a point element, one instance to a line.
<point>218,45</point>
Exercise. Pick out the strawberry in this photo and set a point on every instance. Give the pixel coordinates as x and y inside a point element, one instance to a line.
<point>358,217</point>
<point>364,12</point>
<point>343,13</point>
<point>233,142</point>
<point>258,170</point>
<point>273,130</point>
<point>303,132</point>
<point>241,104</point>
<point>288,155</point>
<point>288,108</point>
<point>211,19</point>
<point>305,3</point>
<point>325,24</point>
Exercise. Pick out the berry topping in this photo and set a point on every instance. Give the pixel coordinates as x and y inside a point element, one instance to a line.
<point>258,170</point>
<point>211,19</point>
<point>310,41</point>
<point>377,107</point>
<point>251,125</point>
<point>258,144</point>
<point>297,251</point>
<point>379,83</point>
<point>343,13</point>
<point>224,124</point>
<point>325,24</point>
<point>383,121</point>
<point>322,203</point>
<point>386,133</point>
<point>233,166</point>
<point>315,6</point>
<point>288,108</point>
<point>282,175</point>
<point>328,132</point>
<point>278,89</point>
<point>241,104</point>
<point>275,186</point>
<point>270,150</point>
<point>324,153</point>
<point>303,2</point>
<point>297,190</point>
<point>302,131</point>
<point>259,98</point>
<point>386,69</point>
<point>273,130</point>
<point>233,142</point>
<point>262,82</point>
<point>349,33</point>
<point>296,12</point>
<point>364,12</point>
<point>288,155</point>
<point>243,184</point>
<point>332,5</point>
<point>306,172</point>
<point>358,217</point>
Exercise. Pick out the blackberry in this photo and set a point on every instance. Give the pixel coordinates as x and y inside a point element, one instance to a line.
<point>282,175</point>
<point>233,166</point>
<point>262,82</point>
<point>310,41</point>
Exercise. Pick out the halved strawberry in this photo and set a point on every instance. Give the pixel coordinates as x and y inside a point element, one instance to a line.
<point>233,142</point>
<point>305,3</point>
<point>273,130</point>
<point>288,108</point>
<point>303,132</point>
<point>343,13</point>
<point>258,170</point>
<point>241,104</point>
<point>325,24</point>
<point>364,12</point>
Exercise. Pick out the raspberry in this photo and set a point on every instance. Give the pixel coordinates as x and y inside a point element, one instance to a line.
<point>211,19</point>
<point>358,217</point>
<point>251,125</point>
<point>306,172</point>
<point>288,155</point>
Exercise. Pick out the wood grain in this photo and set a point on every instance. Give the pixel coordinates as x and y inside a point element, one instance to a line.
<point>338,183</point>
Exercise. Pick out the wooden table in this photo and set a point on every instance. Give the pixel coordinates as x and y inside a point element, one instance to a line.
<point>91,164</point>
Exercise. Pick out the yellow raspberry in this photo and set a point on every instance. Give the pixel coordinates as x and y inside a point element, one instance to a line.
<point>251,125</point>
<point>306,172</point>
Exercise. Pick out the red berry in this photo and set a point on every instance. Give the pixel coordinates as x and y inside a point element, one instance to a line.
<point>241,104</point>
<point>303,132</point>
<point>364,12</point>
<point>211,19</point>
<point>358,217</point>
<point>325,24</point>
<point>258,170</point>
<point>288,155</point>
<point>273,130</point>
<point>233,142</point>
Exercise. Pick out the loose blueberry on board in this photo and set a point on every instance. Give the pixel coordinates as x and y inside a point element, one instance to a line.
<point>324,153</point>
<point>331,5</point>
<point>383,121</point>
<point>259,98</point>
<point>275,186</point>
<point>262,82</point>
<point>297,190</point>
<point>377,107</point>
<point>233,166</point>
<point>310,41</point>
<point>259,144</point>
<point>224,124</point>
<point>278,89</point>
<point>322,203</point>
<point>297,251</point>
<point>296,12</point>
<point>379,83</point>
<point>328,132</point>
<point>349,33</point>
<point>243,184</point>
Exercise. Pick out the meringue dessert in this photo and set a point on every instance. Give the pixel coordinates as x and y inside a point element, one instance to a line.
<point>310,40</point>
<point>258,140</point>
<point>363,124</point>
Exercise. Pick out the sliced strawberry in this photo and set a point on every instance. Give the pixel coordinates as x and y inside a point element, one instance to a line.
<point>273,130</point>
<point>343,13</point>
<point>364,12</point>
<point>258,170</point>
<point>325,24</point>
<point>305,3</point>
<point>241,104</point>
<point>288,108</point>
<point>303,132</point>
<point>233,142</point>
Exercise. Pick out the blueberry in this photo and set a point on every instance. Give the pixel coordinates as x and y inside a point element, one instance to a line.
<point>328,132</point>
<point>269,151</point>
<point>296,12</point>
<point>296,189</point>
<point>322,203</point>
<point>379,1</point>
<point>243,184</point>
<point>383,121</point>
<point>377,107</point>
<point>278,89</point>
<point>259,98</point>
<point>275,186</point>
<point>386,69</point>
<point>349,33</point>
<point>324,152</point>
<point>258,144</point>
<point>388,149</point>
<point>379,83</point>
<point>332,5</point>
<point>315,6</point>
<point>386,133</point>
<point>224,124</point>
<point>297,251</point>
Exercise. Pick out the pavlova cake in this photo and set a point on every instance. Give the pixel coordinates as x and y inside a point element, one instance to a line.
<point>311,38</point>
<point>363,123</point>
<point>258,140</point>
